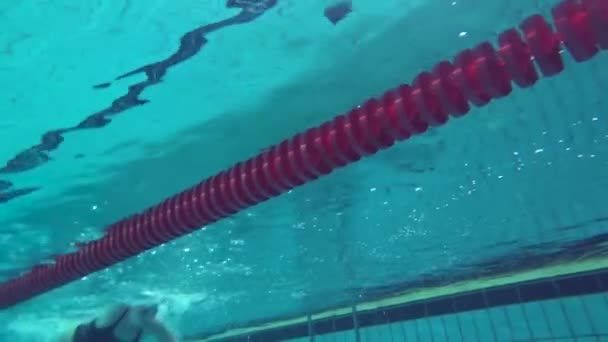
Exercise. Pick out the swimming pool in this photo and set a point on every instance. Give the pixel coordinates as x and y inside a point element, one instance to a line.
<point>514,186</point>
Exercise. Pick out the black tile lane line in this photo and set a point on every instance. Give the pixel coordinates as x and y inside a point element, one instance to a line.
<point>190,44</point>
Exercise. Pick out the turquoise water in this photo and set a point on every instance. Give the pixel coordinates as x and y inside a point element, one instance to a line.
<point>497,189</point>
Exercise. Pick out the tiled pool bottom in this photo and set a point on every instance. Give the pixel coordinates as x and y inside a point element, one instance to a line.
<point>580,318</point>
<point>568,307</point>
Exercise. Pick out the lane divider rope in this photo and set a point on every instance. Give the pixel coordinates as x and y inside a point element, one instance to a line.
<point>475,77</point>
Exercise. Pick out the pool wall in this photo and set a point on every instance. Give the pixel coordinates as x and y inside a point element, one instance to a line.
<point>565,308</point>
<point>579,318</point>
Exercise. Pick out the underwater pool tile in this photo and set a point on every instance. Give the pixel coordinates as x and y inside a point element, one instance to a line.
<point>602,278</point>
<point>468,327</point>
<point>344,323</point>
<point>536,316</point>
<point>407,312</point>
<point>323,327</point>
<point>537,291</point>
<point>501,323</point>
<point>520,327</point>
<point>292,332</point>
<point>366,319</point>
<point>440,306</point>
<point>424,330</point>
<point>470,301</point>
<point>598,307</point>
<point>453,328</point>
<point>578,317</point>
<point>437,329</point>
<point>502,296</point>
<point>280,334</point>
<point>484,324</point>
<point>581,285</point>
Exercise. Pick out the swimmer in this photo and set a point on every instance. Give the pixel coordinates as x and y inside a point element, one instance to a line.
<point>122,323</point>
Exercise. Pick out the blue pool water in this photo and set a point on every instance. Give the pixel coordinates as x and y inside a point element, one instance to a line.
<point>517,185</point>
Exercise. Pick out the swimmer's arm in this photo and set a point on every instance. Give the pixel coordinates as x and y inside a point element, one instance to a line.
<point>157,330</point>
<point>110,316</point>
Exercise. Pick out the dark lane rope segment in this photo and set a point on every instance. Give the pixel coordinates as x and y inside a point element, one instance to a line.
<point>476,76</point>
<point>190,44</point>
